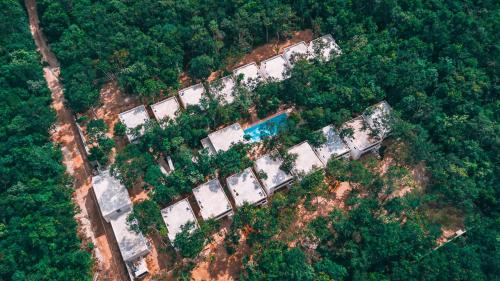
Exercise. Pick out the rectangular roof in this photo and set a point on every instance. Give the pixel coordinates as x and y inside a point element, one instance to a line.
<point>275,67</point>
<point>223,139</point>
<point>177,215</point>
<point>333,147</point>
<point>250,73</point>
<point>306,161</point>
<point>324,46</point>
<point>245,187</point>
<point>134,118</point>
<point>111,195</point>
<point>378,118</point>
<point>192,95</point>
<point>296,51</point>
<point>223,89</point>
<point>212,200</point>
<point>270,165</point>
<point>132,244</point>
<point>167,108</point>
<point>361,138</point>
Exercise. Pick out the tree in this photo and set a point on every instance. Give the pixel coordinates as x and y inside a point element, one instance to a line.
<point>200,67</point>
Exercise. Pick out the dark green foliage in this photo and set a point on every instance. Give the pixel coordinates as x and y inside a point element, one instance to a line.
<point>191,241</point>
<point>38,238</point>
<point>100,144</point>
<point>146,218</point>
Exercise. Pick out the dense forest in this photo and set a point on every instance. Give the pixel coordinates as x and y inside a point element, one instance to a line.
<point>38,238</point>
<point>435,62</point>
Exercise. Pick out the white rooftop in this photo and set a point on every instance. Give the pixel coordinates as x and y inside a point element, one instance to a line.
<point>296,52</point>
<point>223,139</point>
<point>224,89</point>
<point>250,74</point>
<point>212,200</point>
<point>275,67</point>
<point>324,46</point>
<point>270,165</point>
<point>132,244</point>
<point>333,147</point>
<point>245,187</point>
<point>306,161</point>
<point>361,138</point>
<point>134,118</point>
<point>111,194</point>
<point>192,95</point>
<point>377,117</point>
<point>167,108</point>
<point>177,215</point>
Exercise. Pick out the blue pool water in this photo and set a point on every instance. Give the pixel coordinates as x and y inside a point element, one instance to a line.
<point>266,128</point>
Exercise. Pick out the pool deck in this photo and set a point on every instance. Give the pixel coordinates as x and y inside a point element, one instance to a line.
<point>247,125</point>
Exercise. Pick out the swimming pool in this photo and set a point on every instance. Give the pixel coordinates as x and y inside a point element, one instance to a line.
<point>266,128</point>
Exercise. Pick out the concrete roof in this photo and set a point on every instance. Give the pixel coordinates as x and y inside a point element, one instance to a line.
<point>224,89</point>
<point>306,161</point>
<point>110,193</point>
<point>177,215</point>
<point>223,139</point>
<point>324,46</point>
<point>132,244</point>
<point>361,138</point>
<point>296,51</point>
<point>377,117</point>
<point>333,147</point>
<point>134,118</point>
<point>211,199</point>
<point>271,166</point>
<point>251,74</point>
<point>192,95</point>
<point>167,108</point>
<point>274,67</point>
<point>245,187</point>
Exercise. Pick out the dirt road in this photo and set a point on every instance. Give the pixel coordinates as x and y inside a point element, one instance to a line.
<point>91,227</point>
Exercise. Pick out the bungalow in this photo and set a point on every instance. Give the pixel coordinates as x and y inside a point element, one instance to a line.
<point>212,200</point>
<point>245,188</point>
<point>334,147</point>
<point>307,161</point>
<point>223,89</point>
<point>178,215</point>
<point>324,48</point>
<point>275,68</point>
<point>135,119</point>
<point>378,117</point>
<point>359,137</point>
<point>249,74</point>
<point>296,52</point>
<point>274,178</point>
<point>112,197</point>
<point>223,139</point>
<point>192,96</point>
<point>166,109</point>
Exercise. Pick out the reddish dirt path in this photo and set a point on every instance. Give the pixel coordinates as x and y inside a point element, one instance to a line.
<point>91,226</point>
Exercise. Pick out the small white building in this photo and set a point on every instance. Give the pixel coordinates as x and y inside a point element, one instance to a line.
<point>362,140</point>
<point>296,52</point>
<point>249,74</point>
<point>275,68</point>
<point>134,118</point>
<point>378,117</point>
<point>275,178</point>
<point>307,161</point>
<point>176,216</point>
<point>224,138</point>
<point>166,109</point>
<point>192,95</point>
<point>212,200</point>
<point>245,187</point>
<point>111,195</point>
<point>334,147</point>
<point>325,47</point>
<point>223,89</point>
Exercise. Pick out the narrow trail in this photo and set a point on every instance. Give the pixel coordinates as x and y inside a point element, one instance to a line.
<point>91,227</point>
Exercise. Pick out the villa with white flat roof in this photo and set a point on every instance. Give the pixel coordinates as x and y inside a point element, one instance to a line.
<point>133,119</point>
<point>275,68</point>
<point>224,138</point>
<point>275,178</point>
<point>334,147</point>
<point>250,75</point>
<point>245,188</point>
<point>378,118</point>
<point>166,109</point>
<point>296,52</point>
<point>176,216</point>
<point>212,200</point>
<point>192,95</point>
<point>223,89</point>
<point>325,47</point>
<point>112,197</point>
<point>362,139</point>
<point>132,244</point>
<point>307,161</point>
